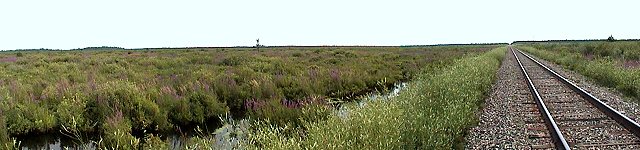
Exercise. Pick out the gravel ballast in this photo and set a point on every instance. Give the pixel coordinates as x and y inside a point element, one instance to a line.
<point>607,95</point>
<point>509,118</point>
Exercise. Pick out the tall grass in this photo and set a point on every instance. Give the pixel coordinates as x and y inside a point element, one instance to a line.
<point>433,113</point>
<point>622,50</point>
<point>604,71</point>
<point>4,136</point>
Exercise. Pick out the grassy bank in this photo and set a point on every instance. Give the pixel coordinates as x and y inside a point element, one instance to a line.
<point>433,113</point>
<point>604,70</point>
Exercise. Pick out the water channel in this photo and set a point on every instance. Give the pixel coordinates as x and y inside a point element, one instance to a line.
<point>225,137</point>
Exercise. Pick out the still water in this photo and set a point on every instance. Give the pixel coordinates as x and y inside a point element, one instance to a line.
<point>225,137</point>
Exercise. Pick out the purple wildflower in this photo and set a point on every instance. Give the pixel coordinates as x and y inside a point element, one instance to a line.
<point>335,74</point>
<point>253,104</point>
<point>9,59</point>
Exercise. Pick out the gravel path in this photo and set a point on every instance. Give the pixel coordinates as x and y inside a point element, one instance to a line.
<point>583,125</point>
<point>509,118</point>
<point>610,96</point>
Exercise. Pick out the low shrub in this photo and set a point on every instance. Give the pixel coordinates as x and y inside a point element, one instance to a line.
<point>117,133</point>
<point>4,136</point>
<point>275,111</point>
<point>153,142</point>
<point>293,113</point>
<point>28,117</point>
<point>197,109</point>
<point>70,114</point>
<point>126,97</point>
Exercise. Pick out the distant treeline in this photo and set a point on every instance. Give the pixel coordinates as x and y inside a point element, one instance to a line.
<point>86,48</point>
<point>40,49</point>
<point>101,48</point>
<point>454,44</point>
<point>561,41</point>
<point>332,46</point>
<point>262,46</point>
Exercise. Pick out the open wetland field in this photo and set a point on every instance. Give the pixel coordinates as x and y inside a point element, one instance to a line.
<point>160,98</point>
<point>526,95</point>
<point>319,75</point>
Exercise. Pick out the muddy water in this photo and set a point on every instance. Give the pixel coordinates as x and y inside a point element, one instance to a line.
<point>226,137</point>
<point>231,134</point>
<point>55,141</point>
<point>343,112</point>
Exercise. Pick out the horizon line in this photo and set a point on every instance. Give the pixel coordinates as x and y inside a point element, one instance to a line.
<point>326,45</point>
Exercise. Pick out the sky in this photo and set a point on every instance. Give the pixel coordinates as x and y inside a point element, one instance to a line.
<point>68,24</point>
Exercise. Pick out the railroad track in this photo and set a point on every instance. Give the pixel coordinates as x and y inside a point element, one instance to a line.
<point>574,119</point>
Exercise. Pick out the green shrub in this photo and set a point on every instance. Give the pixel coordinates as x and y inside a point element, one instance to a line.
<point>197,108</point>
<point>234,60</point>
<point>153,142</point>
<point>274,111</point>
<point>29,117</point>
<point>70,113</point>
<point>126,97</point>
<point>117,133</point>
<point>4,136</point>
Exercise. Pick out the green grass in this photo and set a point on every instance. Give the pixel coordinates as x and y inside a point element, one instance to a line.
<point>433,113</point>
<point>603,70</point>
<point>620,50</point>
<point>115,93</point>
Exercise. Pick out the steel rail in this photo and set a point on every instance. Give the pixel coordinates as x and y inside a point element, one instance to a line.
<point>623,120</point>
<point>556,135</point>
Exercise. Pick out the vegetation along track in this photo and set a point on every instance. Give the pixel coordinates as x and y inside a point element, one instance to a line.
<point>575,119</point>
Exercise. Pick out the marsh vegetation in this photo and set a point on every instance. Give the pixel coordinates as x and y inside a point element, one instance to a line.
<point>131,99</point>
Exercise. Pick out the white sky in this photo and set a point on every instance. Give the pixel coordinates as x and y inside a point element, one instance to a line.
<point>66,24</point>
